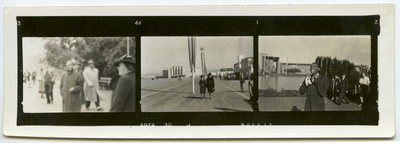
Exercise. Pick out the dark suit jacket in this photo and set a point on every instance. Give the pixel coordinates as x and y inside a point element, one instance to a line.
<point>344,85</point>
<point>124,95</point>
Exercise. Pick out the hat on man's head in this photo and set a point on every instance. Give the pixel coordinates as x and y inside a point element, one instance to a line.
<point>90,61</point>
<point>125,58</point>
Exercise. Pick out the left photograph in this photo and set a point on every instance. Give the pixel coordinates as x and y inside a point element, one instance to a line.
<point>78,74</point>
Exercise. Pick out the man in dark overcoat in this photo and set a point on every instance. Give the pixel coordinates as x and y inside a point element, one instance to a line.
<point>315,87</point>
<point>71,86</point>
<point>344,86</point>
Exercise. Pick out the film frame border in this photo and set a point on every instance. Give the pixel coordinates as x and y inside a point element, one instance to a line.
<point>194,26</point>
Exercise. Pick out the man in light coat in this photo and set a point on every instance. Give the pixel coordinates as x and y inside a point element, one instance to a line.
<point>91,85</point>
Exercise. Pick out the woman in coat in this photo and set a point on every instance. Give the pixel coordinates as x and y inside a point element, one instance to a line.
<point>202,84</point>
<point>124,95</point>
<point>40,78</point>
<point>210,85</point>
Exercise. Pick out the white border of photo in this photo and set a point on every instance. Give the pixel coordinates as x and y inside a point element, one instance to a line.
<point>385,129</point>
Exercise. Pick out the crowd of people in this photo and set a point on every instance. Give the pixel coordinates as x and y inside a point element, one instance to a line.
<point>81,87</point>
<point>316,86</point>
<point>46,80</point>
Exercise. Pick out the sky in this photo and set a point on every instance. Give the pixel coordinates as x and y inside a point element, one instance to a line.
<point>159,53</point>
<point>305,49</point>
<point>33,45</point>
<point>33,51</point>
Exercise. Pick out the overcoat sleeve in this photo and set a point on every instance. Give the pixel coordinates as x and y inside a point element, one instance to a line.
<point>303,88</point>
<point>121,94</point>
<point>213,83</point>
<point>62,85</point>
<point>85,77</point>
<point>79,84</point>
<point>322,85</point>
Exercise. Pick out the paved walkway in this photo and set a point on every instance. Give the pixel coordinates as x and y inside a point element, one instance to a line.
<point>32,103</point>
<point>176,96</point>
<point>298,103</point>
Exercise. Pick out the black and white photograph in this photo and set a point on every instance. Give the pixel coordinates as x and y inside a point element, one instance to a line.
<point>78,74</point>
<point>146,72</point>
<point>196,74</point>
<point>314,73</point>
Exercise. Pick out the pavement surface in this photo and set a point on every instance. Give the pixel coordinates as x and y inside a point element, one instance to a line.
<point>172,95</point>
<point>32,103</point>
<point>298,104</point>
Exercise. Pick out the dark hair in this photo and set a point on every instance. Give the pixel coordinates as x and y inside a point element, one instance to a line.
<point>41,69</point>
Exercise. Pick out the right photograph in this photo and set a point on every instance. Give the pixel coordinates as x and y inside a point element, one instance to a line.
<point>314,73</point>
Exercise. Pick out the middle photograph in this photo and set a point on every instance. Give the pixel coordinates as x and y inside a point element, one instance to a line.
<point>196,74</point>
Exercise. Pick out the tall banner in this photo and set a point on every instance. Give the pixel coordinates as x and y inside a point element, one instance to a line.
<point>192,58</point>
<point>203,64</point>
<point>192,53</point>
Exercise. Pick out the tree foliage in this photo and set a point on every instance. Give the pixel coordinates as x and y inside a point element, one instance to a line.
<point>60,50</point>
<point>103,50</point>
<point>340,67</point>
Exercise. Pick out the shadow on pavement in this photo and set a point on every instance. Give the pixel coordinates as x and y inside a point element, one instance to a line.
<point>227,109</point>
<point>162,91</point>
<point>194,97</point>
<point>294,108</point>
<point>235,91</point>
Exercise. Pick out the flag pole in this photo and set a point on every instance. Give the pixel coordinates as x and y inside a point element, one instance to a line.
<point>193,61</point>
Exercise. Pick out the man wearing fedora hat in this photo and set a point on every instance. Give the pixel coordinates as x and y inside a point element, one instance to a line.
<point>124,95</point>
<point>91,85</point>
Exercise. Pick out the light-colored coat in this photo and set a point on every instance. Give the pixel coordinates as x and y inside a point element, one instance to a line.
<point>91,77</point>
<point>40,78</point>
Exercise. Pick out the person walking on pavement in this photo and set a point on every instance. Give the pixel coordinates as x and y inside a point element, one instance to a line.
<point>40,78</point>
<point>124,95</point>
<point>241,78</point>
<point>34,76</point>
<point>48,85</point>
<point>210,85</point>
<point>91,85</point>
<point>71,86</point>
<point>364,84</point>
<point>202,84</point>
<point>27,78</point>
<point>344,85</point>
<point>336,88</point>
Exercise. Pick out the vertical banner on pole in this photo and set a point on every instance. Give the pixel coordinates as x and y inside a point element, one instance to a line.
<point>192,57</point>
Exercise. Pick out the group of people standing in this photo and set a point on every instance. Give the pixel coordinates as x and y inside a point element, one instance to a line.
<point>208,84</point>
<point>46,80</point>
<point>78,88</point>
<point>340,89</point>
<point>341,86</point>
<point>315,86</point>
